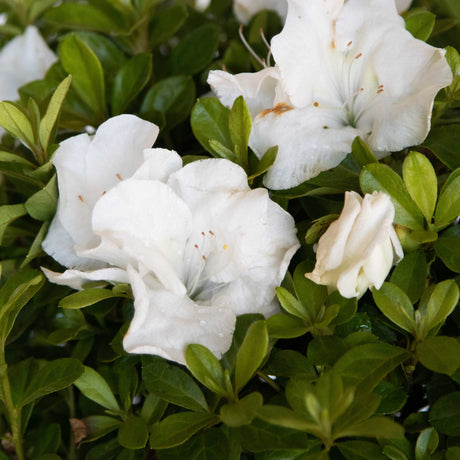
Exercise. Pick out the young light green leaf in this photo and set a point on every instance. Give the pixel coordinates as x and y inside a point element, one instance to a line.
<point>448,208</point>
<point>94,387</point>
<point>48,122</point>
<point>251,353</point>
<point>440,354</point>
<point>291,304</point>
<point>421,182</point>
<point>178,428</point>
<point>283,326</point>
<point>420,24</point>
<point>86,298</point>
<point>172,384</point>
<point>100,425</point>
<point>16,122</point>
<point>129,81</point>
<point>396,306</point>
<point>36,247</point>
<point>441,303</point>
<point>287,418</point>
<point>264,163</point>
<point>376,176</point>
<point>9,213</point>
<point>240,124</point>
<point>205,367</point>
<point>377,427</point>
<point>81,62</point>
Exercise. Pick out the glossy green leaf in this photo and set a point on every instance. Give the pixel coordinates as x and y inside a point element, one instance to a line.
<point>443,142</point>
<point>377,427</point>
<point>445,414</point>
<point>15,121</point>
<point>393,398</point>
<point>376,176</point>
<point>427,442</point>
<point>205,367</point>
<point>394,303</point>
<point>8,214</point>
<point>290,304</point>
<point>251,353</point>
<point>178,428</point>
<point>440,354</point>
<point>129,81</point>
<point>421,182</point>
<point>448,208</point>
<point>264,163</point>
<point>441,303</point>
<point>448,250</point>
<point>240,124</point>
<point>95,387</point>
<point>166,22</point>
<point>100,425</point>
<point>361,152</point>
<point>243,411</point>
<point>282,326</point>
<point>420,24</point>
<point>209,120</point>
<point>326,350</point>
<point>173,97</point>
<point>172,384</point>
<point>410,275</point>
<point>287,363</point>
<point>361,450</point>
<point>287,418</point>
<point>86,298</point>
<point>42,204</point>
<point>133,433</point>
<point>79,60</point>
<point>48,122</point>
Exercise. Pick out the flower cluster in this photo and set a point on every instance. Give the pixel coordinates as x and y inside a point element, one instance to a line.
<point>196,244</point>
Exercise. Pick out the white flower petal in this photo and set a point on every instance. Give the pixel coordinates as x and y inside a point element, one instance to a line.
<point>402,5</point>
<point>165,323</point>
<point>76,279</point>
<point>258,89</point>
<point>245,9</point>
<point>158,164</point>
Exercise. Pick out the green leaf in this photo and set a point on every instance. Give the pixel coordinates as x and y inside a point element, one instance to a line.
<point>78,15</point>
<point>287,418</point>
<point>376,176</point>
<point>396,306</point>
<point>178,428</point>
<point>421,182</point>
<point>448,250</point>
<point>410,275</point>
<point>264,163</point>
<point>326,350</point>
<point>166,22</point>
<point>366,365</point>
<point>393,398</point>
<point>14,295</point>
<point>420,24</point>
<point>291,305</point>
<point>9,213</point>
<point>240,124</point>
<point>448,208</point>
<point>209,120</point>
<point>440,354</point>
<point>172,384</point>
<point>251,353</point>
<point>453,453</point>
<point>243,411</point>
<point>443,141</point>
<point>94,387</point>
<point>86,298</point>
<point>81,62</point>
<point>48,122</point>
<point>100,425</point>
<point>196,50</point>
<point>445,414</point>
<point>42,204</point>
<point>348,308</point>
<point>377,427</point>
<point>35,249</point>
<point>205,367</point>
<point>133,433</point>
<point>173,97</point>
<point>441,303</point>
<point>427,443</point>
<point>32,379</point>
<point>129,81</point>
<point>361,152</point>
<point>284,326</point>
<point>287,363</point>
<point>394,453</point>
<point>361,450</point>
<point>16,122</point>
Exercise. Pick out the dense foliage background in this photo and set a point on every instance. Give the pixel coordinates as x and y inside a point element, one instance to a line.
<point>335,381</point>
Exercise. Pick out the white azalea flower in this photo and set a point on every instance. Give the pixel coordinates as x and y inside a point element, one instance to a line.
<point>245,9</point>
<point>402,5</point>
<point>342,70</point>
<point>87,167</point>
<point>23,59</point>
<point>201,5</point>
<point>198,247</point>
<point>358,250</point>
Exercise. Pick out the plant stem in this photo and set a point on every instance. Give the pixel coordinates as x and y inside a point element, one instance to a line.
<point>14,413</point>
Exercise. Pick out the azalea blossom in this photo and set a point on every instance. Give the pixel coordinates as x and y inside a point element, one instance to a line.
<point>341,70</point>
<point>23,59</point>
<point>197,245</point>
<point>87,167</point>
<point>402,5</point>
<point>358,250</point>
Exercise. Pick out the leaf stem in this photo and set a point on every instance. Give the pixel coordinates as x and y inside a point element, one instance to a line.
<point>14,413</point>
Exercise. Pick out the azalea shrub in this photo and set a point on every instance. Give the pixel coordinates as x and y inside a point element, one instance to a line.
<point>230,229</point>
